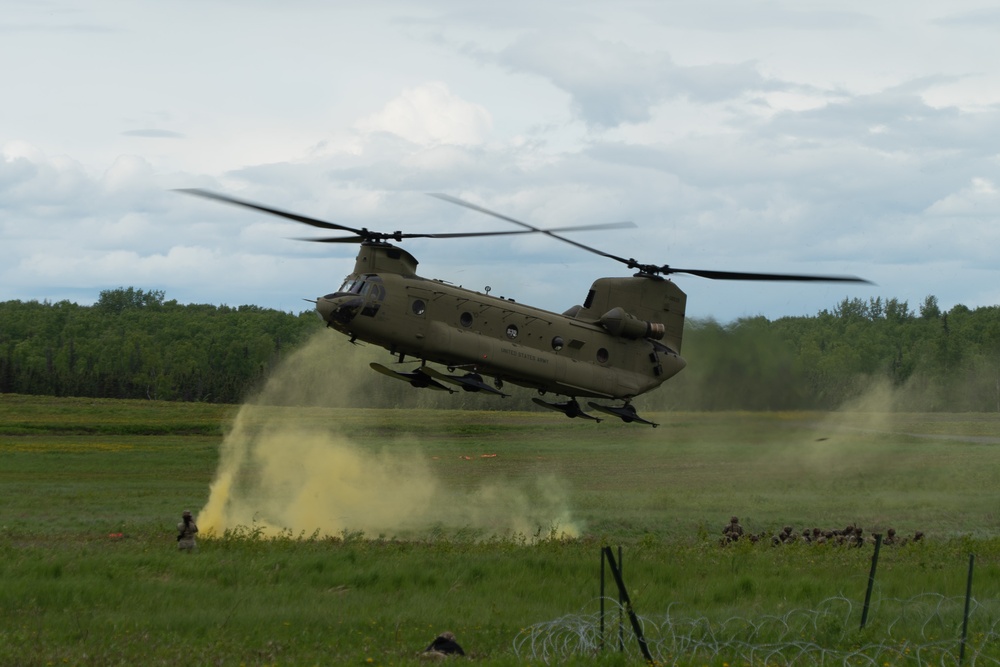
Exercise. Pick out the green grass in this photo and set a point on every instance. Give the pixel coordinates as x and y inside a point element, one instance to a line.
<point>24,415</point>
<point>74,473</point>
<point>246,601</point>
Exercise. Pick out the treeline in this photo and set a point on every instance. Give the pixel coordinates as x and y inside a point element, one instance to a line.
<point>134,344</point>
<point>928,360</point>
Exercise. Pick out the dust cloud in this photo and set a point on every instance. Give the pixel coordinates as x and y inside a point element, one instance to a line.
<point>291,471</point>
<point>873,410</point>
<point>858,438</point>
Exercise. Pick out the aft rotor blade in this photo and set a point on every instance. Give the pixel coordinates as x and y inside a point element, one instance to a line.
<point>652,268</point>
<point>776,277</point>
<point>207,194</point>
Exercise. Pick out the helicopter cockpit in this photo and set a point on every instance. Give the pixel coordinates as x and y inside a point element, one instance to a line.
<point>351,286</point>
<point>368,287</point>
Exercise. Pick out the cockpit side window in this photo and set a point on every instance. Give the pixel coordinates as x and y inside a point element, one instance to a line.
<point>374,294</point>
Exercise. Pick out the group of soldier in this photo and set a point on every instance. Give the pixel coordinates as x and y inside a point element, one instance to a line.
<point>850,535</point>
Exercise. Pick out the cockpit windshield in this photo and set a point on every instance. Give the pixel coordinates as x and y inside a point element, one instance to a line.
<point>369,286</point>
<point>352,286</point>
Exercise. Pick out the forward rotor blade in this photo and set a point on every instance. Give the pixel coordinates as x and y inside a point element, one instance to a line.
<point>775,277</point>
<point>362,235</point>
<point>267,209</point>
<point>474,207</point>
<point>331,239</point>
<point>573,228</point>
<point>462,235</point>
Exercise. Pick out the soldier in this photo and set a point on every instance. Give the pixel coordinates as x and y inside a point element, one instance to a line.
<point>186,530</point>
<point>733,531</point>
<point>443,646</point>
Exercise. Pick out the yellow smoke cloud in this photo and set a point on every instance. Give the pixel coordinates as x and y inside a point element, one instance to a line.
<point>283,470</point>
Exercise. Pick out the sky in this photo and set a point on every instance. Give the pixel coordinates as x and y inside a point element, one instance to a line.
<point>789,137</point>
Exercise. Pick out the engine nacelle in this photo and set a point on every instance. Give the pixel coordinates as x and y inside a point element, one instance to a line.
<point>621,324</point>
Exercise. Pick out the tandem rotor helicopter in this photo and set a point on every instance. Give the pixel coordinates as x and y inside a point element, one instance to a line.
<point>623,341</point>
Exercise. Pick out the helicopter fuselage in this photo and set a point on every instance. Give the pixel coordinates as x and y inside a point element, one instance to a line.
<point>624,340</point>
<point>616,353</point>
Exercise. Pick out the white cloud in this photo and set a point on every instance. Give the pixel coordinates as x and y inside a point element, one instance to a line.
<point>610,82</point>
<point>128,172</point>
<point>827,138</point>
<point>431,114</point>
<point>29,177</point>
<point>987,18</point>
<point>979,199</point>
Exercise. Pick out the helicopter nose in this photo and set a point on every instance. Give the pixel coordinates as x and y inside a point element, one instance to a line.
<point>338,309</point>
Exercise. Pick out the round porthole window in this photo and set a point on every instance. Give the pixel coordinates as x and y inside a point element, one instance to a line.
<point>511,331</point>
<point>602,355</point>
<point>557,343</point>
<point>419,307</point>
<point>465,319</point>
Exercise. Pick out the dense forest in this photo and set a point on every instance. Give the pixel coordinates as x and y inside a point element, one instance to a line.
<point>929,360</point>
<point>135,344</point>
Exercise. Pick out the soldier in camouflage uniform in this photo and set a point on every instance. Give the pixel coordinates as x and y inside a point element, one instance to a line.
<point>733,530</point>
<point>186,530</point>
<point>443,646</point>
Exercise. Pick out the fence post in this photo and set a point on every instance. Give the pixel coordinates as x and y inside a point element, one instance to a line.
<point>621,605</point>
<point>601,643</point>
<point>871,581</point>
<point>965,616</point>
<point>627,603</point>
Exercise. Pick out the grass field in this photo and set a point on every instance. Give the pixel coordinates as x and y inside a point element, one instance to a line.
<point>354,536</point>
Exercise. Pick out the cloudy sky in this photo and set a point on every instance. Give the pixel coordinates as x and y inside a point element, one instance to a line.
<point>789,136</point>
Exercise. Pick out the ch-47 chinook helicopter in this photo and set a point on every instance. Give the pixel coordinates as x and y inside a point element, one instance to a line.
<point>623,341</point>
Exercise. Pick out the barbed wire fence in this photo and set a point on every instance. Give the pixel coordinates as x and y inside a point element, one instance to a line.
<point>926,629</point>
<point>825,635</point>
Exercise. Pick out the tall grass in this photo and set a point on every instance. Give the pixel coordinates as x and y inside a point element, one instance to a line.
<point>245,600</point>
<point>91,573</point>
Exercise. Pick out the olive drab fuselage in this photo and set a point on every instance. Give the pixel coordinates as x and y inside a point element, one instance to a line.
<point>624,340</point>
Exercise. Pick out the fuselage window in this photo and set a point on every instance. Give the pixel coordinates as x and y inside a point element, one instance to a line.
<point>602,355</point>
<point>465,319</point>
<point>418,307</point>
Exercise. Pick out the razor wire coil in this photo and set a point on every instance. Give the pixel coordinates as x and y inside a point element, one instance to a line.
<point>922,630</point>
